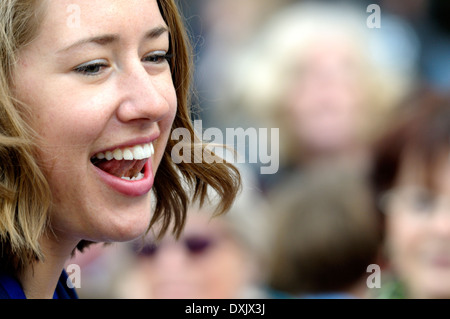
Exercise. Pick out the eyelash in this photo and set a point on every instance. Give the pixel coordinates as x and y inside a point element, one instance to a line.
<point>160,56</point>
<point>94,68</point>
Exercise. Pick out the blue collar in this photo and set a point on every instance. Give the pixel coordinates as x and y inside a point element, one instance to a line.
<point>11,286</point>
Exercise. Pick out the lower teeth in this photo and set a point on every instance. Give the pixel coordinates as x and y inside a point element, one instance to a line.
<point>135,178</point>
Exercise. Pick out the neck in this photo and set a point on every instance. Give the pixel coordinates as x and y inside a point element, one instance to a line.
<point>39,280</point>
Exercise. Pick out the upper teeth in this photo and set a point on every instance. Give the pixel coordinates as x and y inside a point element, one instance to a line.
<point>138,152</point>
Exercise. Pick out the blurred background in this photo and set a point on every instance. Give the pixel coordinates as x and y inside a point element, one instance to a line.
<point>334,87</point>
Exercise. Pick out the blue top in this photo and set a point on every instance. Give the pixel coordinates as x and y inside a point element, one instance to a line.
<point>10,288</point>
<point>329,295</point>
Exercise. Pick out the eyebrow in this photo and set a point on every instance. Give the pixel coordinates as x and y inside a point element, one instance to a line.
<point>111,38</point>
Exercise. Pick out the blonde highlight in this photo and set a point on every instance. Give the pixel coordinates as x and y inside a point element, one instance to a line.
<point>24,193</point>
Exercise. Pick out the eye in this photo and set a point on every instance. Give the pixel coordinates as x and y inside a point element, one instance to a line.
<point>91,68</point>
<point>157,57</point>
<point>422,202</point>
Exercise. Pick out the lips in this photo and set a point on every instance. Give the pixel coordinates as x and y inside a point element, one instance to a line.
<point>126,163</point>
<point>127,170</point>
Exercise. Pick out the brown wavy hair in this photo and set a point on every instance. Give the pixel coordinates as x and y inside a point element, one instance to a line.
<point>25,196</point>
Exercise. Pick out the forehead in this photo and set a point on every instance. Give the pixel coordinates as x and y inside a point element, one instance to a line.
<point>429,170</point>
<point>68,20</point>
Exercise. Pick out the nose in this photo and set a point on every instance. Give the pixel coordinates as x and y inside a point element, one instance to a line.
<point>143,95</point>
<point>172,259</point>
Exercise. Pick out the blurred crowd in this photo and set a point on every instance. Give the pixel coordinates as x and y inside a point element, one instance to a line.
<point>364,174</point>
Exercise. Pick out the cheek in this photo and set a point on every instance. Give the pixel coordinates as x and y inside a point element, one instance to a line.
<point>66,132</point>
<point>225,270</point>
<point>166,123</point>
<point>170,95</point>
<point>404,239</point>
<point>62,117</point>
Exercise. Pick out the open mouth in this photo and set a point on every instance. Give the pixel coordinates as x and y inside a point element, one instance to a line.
<point>126,163</point>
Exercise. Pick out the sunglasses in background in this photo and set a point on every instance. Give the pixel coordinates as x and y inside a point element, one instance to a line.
<point>194,245</point>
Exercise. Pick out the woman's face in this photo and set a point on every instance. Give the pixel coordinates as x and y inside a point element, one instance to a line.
<point>418,230</point>
<point>324,99</point>
<point>207,262</point>
<point>102,99</point>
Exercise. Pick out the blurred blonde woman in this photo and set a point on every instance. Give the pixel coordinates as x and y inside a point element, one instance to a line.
<point>224,257</point>
<point>314,72</point>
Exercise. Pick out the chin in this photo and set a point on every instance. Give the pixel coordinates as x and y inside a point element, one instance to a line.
<point>124,233</point>
<point>436,290</point>
<point>126,226</point>
<point>436,293</point>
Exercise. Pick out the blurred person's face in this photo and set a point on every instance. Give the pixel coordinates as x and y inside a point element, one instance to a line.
<point>205,263</point>
<point>102,99</point>
<point>233,25</point>
<point>324,100</point>
<point>418,229</point>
